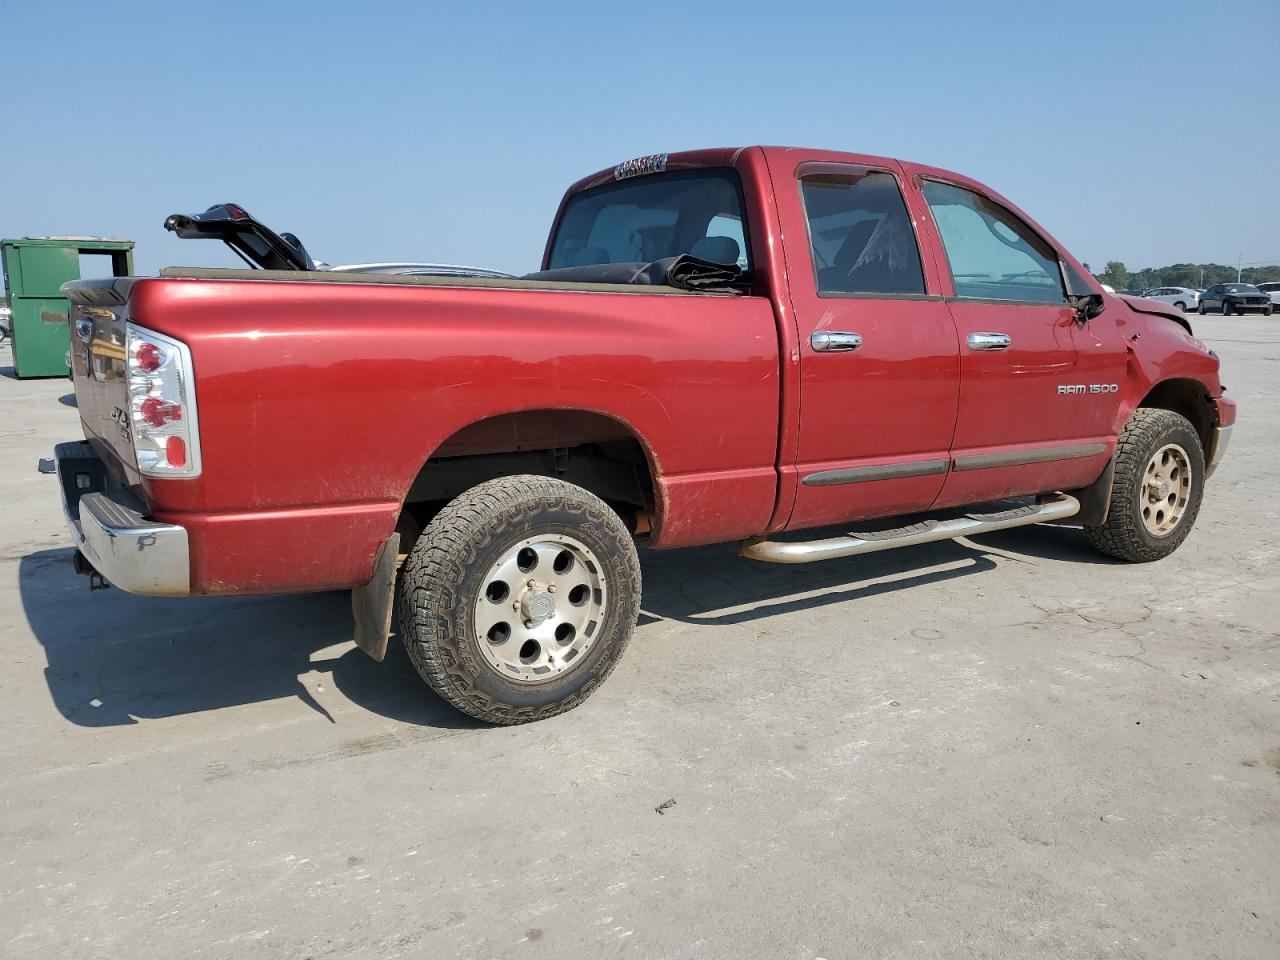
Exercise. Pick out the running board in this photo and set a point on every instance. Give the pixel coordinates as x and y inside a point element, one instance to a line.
<point>967,525</point>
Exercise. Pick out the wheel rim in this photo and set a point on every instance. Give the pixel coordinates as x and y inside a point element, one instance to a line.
<point>540,608</point>
<point>1166,490</point>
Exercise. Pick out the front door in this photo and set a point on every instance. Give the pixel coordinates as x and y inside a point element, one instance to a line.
<point>1025,422</point>
<point>878,356</point>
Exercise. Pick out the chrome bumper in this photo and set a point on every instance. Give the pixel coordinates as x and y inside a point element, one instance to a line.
<point>133,553</point>
<point>1221,439</point>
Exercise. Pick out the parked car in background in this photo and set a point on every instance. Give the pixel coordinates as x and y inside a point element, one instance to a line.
<point>1184,298</point>
<point>1272,289</point>
<point>1232,298</point>
<point>6,322</point>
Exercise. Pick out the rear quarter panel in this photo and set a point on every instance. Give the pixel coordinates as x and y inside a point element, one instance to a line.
<point>320,403</point>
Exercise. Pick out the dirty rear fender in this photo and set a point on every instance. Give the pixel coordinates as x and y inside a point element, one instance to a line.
<point>320,403</point>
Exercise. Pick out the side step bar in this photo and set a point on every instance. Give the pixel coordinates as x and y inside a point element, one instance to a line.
<point>807,551</point>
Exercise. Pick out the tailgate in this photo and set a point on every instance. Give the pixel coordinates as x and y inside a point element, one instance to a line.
<point>99,310</point>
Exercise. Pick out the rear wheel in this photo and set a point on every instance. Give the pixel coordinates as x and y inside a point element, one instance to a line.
<point>1180,305</point>
<point>1200,309</point>
<point>1157,488</point>
<point>519,598</point>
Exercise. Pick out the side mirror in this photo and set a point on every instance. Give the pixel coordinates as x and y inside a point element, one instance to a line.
<point>1082,299</point>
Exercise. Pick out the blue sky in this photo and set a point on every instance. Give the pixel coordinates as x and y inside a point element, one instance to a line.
<point>1142,131</point>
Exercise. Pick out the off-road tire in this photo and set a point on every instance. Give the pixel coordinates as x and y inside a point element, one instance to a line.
<point>1124,535</point>
<point>443,574</point>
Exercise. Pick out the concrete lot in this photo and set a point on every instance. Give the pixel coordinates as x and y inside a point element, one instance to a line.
<point>1006,748</point>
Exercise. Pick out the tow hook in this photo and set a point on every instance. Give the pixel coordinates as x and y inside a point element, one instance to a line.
<point>80,563</point>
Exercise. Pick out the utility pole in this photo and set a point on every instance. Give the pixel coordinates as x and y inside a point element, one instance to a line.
<point>1239,269</point>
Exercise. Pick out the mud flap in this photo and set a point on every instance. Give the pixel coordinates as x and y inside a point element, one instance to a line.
<point>1095,499</point>
<point>371,604</point>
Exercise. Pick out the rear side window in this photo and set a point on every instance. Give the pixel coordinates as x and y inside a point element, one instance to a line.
<point>654,217</point>
<point>861,235</point>
<point>992,253</point>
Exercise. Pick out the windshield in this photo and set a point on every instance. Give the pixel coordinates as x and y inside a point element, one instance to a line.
<point>1241,288</point>
<point>654,217</point>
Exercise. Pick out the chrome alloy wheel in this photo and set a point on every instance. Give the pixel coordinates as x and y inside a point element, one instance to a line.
<point>540,608</point>
<point>1166,490</point>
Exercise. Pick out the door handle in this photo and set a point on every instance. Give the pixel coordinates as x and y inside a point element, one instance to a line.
<point>834,341</point>
<point>990,341</point>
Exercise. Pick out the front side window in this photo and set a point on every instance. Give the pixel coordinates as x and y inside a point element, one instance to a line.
<point>654,217</point>
<point>860,235</point>
<point>993,254</point>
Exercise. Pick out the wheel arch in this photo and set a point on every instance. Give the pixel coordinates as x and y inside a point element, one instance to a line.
<point>1188,398</point>
<point>598,451</point>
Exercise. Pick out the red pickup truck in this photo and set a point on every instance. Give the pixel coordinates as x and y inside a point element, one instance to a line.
<point>721,345</point>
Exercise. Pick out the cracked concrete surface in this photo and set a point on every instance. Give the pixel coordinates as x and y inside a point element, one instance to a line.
<point>1001,747</point>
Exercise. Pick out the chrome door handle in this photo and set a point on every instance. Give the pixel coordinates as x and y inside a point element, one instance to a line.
<point>834,341</point>
<point>990,341</point>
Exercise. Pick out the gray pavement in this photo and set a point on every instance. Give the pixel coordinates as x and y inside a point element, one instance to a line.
<point>1007,748</point>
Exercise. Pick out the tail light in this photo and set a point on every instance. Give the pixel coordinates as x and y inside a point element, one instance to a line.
<point>162,405</point>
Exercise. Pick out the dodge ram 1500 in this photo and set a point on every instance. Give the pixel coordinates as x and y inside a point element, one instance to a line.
<point>720,345</point>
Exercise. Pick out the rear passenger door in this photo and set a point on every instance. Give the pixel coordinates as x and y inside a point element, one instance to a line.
<point>879,362</point>
<point>1025,424</point>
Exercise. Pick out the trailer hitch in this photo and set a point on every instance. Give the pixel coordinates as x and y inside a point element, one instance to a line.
<point>80,563</point>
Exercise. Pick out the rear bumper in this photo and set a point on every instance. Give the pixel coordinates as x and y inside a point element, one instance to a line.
<point>132,552</point>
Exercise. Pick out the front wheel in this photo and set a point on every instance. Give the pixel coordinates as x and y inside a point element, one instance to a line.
<point>1226,309</point>
<point>1156,490</point>
<point>519,597</point>
<point>1200,309</point>
<point>1267,311</point>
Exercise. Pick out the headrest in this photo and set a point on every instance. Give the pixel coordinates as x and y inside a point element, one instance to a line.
<point>716,249</point>
<point>590,257</point>
<point>854,243</point>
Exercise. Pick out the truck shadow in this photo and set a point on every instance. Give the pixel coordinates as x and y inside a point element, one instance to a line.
<point>712,585</point>
<point>116,658</point>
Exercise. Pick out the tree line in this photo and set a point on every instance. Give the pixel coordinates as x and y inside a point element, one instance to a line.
<point>1198,276</point>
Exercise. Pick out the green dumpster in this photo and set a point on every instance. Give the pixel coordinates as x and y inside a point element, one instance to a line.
<point>34,269</point>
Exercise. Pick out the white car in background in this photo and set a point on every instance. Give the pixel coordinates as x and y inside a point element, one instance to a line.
<point>1184,298</point>
<point>1272,289</point>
